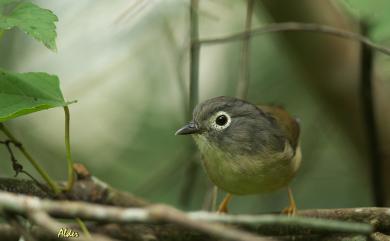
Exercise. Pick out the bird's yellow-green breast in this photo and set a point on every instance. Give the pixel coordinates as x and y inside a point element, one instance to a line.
<point>240,174</point>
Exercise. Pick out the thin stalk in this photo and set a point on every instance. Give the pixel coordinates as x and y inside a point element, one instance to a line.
<point>243,81</point>
<point>194,56</point>
<point>192,167</point>
<point>83,228</point>
<point>297,27</point>
<point>69,159</point>
<point>53,185</point>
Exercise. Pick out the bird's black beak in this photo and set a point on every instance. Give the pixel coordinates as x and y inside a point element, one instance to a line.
<point>190,128</point>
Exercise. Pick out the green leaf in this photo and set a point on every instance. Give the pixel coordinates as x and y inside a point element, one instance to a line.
<point>25,93</point>
<point>375,13</point>
<point>33,20</point>
<point>5,2</point>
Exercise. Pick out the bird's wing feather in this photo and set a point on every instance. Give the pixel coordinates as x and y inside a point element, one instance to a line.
<point>288,124</point>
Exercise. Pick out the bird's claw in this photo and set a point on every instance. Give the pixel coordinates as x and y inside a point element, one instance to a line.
<point>290,211</point>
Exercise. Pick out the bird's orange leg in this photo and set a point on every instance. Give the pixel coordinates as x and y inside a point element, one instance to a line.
<point>223,207</point>
<point>292,208</point>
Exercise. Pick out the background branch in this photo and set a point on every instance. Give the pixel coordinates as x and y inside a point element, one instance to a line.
<point>192,167</point>
<point>243,81</point>
<point>367,96</point>
<point>297,27</point>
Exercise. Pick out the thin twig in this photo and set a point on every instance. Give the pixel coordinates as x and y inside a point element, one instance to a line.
<point>378,217</point>
<point>296,27</point>
<point>132,10</point>
<point>52,184</point>
<point>194,56</point>
<point>243,81</point>
<point>18,168</point>
<point>169,214</point>
<point>192,167</point>
<point>171,232</point>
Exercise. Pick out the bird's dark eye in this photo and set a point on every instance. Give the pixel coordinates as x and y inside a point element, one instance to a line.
<point>221,120</point>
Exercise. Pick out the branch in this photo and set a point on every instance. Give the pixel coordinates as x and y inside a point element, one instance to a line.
<point>243,81</point>
<point>296,27</point>
<point>89,189</point>
<point>21,204</point>
<point>168,232</point>
<point>53,226</point>
<point>378,217</point>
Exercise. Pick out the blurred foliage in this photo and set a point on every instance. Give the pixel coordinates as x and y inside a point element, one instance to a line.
<point>127,65</point>
<point>375,12</point>
<point>31,19</point>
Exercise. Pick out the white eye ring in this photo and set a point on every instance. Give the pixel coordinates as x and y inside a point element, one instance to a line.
<point>220,127</point>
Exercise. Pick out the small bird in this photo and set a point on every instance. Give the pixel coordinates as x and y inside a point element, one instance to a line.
<point>246,149</point>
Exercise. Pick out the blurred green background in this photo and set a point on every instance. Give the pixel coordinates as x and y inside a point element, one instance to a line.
<point>126,62</point>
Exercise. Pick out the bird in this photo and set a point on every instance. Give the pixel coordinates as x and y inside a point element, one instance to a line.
<point>246,148</point>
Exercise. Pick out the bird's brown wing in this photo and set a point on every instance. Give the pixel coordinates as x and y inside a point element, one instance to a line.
<point>289,125</point>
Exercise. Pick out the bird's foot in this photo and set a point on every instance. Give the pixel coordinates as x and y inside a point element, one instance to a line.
<point>223,207</point>
<point>290,211</point>
<point>222,210</point>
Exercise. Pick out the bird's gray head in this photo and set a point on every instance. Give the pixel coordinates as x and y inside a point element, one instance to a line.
<point>232,125</point>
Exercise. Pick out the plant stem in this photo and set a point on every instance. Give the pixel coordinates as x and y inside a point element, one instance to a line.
<point>68,153</point>
<point>194,56</point>
<point>83,227</point>
<point>53,185</point>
